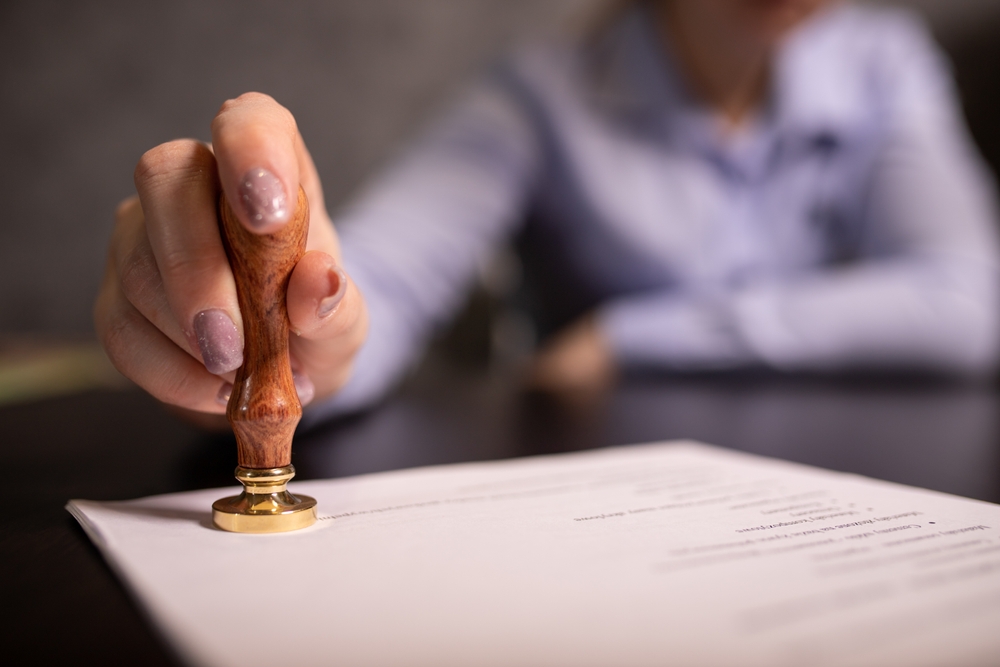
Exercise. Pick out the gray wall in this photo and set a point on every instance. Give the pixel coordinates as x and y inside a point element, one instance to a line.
<point>88,86</point>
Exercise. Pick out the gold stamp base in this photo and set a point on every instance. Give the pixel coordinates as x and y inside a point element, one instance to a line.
<point>265,506</point>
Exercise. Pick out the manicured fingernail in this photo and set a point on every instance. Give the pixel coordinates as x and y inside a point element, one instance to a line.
<point>225,391</point>
<point>337,288</point>
<point>304,387</point>
<point>264,198</point>
<point>218,340</point>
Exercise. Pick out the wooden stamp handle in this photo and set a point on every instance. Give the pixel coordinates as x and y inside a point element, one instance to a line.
<point>264,407</point>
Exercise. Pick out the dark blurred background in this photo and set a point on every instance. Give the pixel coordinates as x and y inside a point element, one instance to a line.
<point>87,87</point>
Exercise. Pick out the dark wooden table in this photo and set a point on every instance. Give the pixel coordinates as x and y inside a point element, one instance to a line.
<point>63,604</point>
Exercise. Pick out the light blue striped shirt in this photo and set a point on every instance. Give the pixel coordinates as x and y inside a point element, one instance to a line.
<point>851,224</point>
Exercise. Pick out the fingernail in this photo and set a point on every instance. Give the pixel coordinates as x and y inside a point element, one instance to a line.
<point>304,387</point>
<point>225,391</point>
<point>338,287</point>
<point>264,198</point>
<point>218,340</point>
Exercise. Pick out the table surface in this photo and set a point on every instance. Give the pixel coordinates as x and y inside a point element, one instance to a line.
<point>64,604</point>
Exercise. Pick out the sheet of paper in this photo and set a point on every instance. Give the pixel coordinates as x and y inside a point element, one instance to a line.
<point>663,554</point>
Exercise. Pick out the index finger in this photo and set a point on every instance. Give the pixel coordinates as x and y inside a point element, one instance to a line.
<point>255,139</point>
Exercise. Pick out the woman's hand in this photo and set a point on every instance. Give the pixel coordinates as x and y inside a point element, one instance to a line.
<point>167,312</point>
<point>577,361</point>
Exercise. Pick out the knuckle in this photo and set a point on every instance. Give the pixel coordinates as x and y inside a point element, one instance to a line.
<point>259,102</point>
<point>187,271</point>
<point>139,275</point>
<point>251,98</point>
<point>119,334</point>
<point>176,388</point>
<point>115,330</point>
<point>128,233</point>
<point>172,161</point>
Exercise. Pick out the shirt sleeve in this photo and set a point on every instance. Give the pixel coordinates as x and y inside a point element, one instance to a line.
<point>413,241</point>
<point>923,294</point>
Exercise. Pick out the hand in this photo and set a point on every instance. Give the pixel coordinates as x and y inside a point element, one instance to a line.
<point>167,312</point>
<point>577,361</point>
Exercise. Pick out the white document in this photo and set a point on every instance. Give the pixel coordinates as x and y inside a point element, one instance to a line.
<point>665,554</point>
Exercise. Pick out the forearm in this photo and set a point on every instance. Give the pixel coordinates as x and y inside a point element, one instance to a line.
<point>907,314</point>
<point>414,240</point>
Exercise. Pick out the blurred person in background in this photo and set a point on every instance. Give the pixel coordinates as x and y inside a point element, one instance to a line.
<point>710,184</point>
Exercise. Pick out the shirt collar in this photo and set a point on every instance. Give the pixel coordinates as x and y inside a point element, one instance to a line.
<point>631,79</point>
